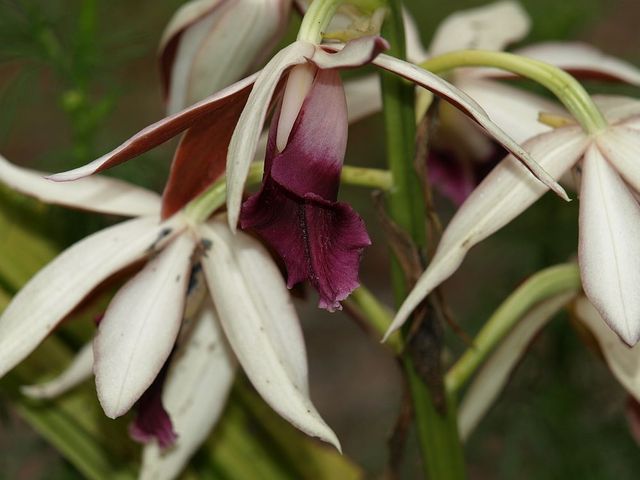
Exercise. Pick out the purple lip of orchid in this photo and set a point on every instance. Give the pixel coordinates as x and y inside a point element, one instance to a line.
<point>153,421</point>
<point>296,212</point>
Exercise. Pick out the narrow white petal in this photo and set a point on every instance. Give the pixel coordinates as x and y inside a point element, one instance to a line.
<point>140,327</point>
<point>471,108</point>
<point>297,87</point>
<point>505,193</point>
<point>222,46</point>
<point>97,194</point>
<point>161,131</point>
<point>363,97</point>
<point>618,109</point>
<point>621,147</point>
<point>56,289</point>
<point>494,373</point>
<point>261,325</point>
<point>79,370</point>
<point>514,110</point>
<point>623,361</point>
<point>609,250</point>
<point>192,23</point>
<point>245,137</point>
<point>491,27</point>
<point>583,60</point>
<point>195,393</point>
<point>185,16</point>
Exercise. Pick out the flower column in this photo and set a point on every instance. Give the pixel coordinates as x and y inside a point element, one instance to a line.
<point>441,450</point>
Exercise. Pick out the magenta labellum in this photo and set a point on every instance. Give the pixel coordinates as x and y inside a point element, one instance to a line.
<point>296,211</point>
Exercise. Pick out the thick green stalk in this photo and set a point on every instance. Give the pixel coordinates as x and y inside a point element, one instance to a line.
<point>317,19</point>
<point>440,447</point>
<point>566,88</point>
<point>544,284</point>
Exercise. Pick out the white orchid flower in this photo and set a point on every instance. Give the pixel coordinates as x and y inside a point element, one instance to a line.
<point>209,44</point>
<point>249,303</point>
<point>609,250</point>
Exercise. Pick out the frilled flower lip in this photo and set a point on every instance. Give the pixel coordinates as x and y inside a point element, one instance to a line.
<point>609,214</point>
<point>296,212</point>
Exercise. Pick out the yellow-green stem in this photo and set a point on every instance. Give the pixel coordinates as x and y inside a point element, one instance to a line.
<point>201,207</point>
<point>566,88</point>
<point>317,19</point>
<point>544,284</point>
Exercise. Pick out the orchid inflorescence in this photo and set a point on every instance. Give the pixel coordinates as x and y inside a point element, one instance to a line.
<point>210,294</point>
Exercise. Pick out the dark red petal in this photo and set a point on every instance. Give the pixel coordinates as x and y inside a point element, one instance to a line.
<point>153,421</point>
<point>201,155</point>
<point>318,240</point>
<point>312,160</point>
<point>168,127</point>
<point>295,212</point>
<point>336,236</point>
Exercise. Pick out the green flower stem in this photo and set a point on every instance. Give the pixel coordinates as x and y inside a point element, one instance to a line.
<point>568,90</point>
<point>440,448</point>
<point>201,207</point>
<point>316,20</point>
<point>378,316</point>
<point>544,284</point>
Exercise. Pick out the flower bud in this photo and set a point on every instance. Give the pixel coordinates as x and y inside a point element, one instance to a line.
<point>210,44</point>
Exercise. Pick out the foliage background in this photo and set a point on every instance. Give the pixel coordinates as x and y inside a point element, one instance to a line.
<point>79,76</point>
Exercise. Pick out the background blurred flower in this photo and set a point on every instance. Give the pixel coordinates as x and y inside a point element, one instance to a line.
<point>209,44</point>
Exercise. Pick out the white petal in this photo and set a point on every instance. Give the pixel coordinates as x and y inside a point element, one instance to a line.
<point>56,289</point>
<point>185,16</point>
<point>471,108</point>
<point>261,325</point>
<point>140,327</point>
<point>97,194</point>
<point>363,97</point>
<point>194,395</point>
<point>583,60</point>
<point>245,137</point>
<point>621,147</point>
<point>617,108</point>
<point>494,373</point>
<point>491,27</point>
<point>609,250</point>
<point>623,361</point>
<point>505,193</point>
<point>514,110</point>
<point>221,46</point>
<point>80,369</point>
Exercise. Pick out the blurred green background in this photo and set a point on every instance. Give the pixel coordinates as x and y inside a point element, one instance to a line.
<point>78,77</point>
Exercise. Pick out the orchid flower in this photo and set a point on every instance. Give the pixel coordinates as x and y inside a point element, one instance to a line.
<point>209,44</point>
<point>461,155</point>
<point>609,213</point>
<point>248,302</point>
<point>212,122</point>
